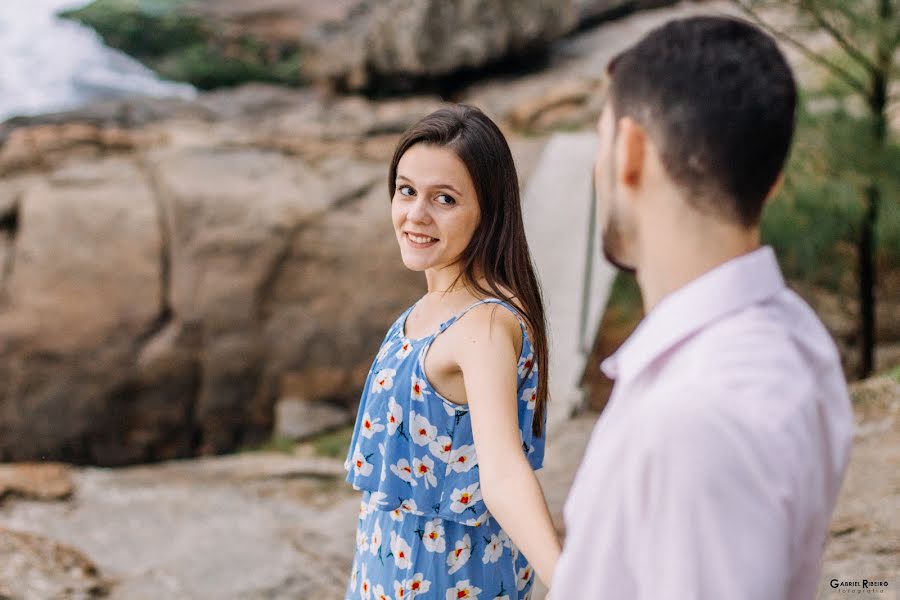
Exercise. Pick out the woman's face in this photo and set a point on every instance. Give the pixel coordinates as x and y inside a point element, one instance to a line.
<point>434,209</point>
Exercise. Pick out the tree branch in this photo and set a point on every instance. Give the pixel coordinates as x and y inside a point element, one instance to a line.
<point>836,69</point>
<point>839,37</point>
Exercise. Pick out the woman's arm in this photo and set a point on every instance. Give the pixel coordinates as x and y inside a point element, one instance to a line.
<point>488,359</point>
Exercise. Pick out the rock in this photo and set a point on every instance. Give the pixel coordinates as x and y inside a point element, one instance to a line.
<point>593,12</point>
<point>42,481</point>
<point>250,525</point>
<point>47,146</point>
<point>567,104</point>
<point>127,113</point>
<point>298,418</point>
<point>36,568</point>
<point>387,45</point>
<point>154,305</point>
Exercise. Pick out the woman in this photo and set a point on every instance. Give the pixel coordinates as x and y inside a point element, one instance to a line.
<point>451,421</point>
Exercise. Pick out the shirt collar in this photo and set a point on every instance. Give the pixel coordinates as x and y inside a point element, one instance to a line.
<point>729,287</point>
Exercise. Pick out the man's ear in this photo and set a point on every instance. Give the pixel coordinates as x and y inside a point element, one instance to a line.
<point>773,191</point>
<point>633,151</point>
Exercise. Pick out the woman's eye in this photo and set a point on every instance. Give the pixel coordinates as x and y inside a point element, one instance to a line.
<point>447,199</point>
<point>404,188</point>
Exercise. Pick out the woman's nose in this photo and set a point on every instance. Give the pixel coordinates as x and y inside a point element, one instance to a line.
<point>419,211</point>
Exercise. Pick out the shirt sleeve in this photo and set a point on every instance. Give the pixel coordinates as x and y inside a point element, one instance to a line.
<point>706,517</point>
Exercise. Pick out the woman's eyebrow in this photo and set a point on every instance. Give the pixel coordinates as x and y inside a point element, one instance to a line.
<point>439,185</point>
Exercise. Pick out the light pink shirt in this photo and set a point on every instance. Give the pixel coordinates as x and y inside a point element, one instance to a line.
<point>714,470</point>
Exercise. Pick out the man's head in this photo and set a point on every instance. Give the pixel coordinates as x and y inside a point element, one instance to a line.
<point>700,113</point>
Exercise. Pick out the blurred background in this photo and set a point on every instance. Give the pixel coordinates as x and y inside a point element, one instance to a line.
<point>197,263</point>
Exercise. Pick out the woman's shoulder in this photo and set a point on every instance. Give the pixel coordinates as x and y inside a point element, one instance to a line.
<point>491,321</point>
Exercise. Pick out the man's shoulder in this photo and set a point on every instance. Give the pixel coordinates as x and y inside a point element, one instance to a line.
<point>771,339</point>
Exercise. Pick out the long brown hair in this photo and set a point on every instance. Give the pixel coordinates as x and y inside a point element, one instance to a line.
<point>498,248</point>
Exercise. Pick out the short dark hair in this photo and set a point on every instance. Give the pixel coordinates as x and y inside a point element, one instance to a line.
<point>718,98</point>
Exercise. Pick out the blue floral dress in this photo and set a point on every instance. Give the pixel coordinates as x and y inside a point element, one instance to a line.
<point>424,531</point>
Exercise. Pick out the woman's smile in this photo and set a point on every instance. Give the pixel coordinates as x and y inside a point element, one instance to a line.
<point>420,241</point>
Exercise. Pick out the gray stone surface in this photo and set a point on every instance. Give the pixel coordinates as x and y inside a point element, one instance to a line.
<point>384,43</point>
<point>298,418</point>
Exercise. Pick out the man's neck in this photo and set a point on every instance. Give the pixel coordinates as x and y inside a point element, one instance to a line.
<point>666,265</point>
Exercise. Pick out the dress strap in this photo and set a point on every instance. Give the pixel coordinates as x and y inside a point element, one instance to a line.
<point>486,301</point>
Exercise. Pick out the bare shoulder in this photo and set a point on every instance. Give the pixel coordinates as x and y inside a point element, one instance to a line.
<point>488,328</point>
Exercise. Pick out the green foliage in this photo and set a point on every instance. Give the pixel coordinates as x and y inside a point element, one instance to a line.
<point>625,301</point>
<point>141,28</point>
<point>181,46</point>
<point>335,443</point>
<point>206,67</point>
<point>814,223</point>
<point>276,443</point>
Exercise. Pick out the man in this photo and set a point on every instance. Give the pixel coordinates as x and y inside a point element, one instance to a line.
<point>714,469</point>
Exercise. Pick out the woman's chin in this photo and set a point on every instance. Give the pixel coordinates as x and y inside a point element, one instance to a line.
<point>415,263</point>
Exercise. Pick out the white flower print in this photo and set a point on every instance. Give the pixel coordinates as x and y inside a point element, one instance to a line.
<point>365,588</point>
<point>363,509</point>
<point>384,380</point>
<point>375,541</point>
<point>354,575</point>
<point>401,551</point>
<point>441,447</point>
<point>523,577</point>
<point>465,498</point>
<point>460,555</point>
<point>360,465</point>
<point>425,468</point>
<point>418,584</point>
<point>448,409</point>
<point>370,426</point>
<point>401,590</point>
<point>394,416</point>
<point>418,388</point>
<point>404,471</point>
<point>433,536</point>
<point>405,348</point>
<point>362,540</point>
<point>383,462</point>
<point>463,589</point>
<point>477,521</point>
<point>529,395</point>
<point>409,505</point>
<point>422,431</point>
<point>382,352</point>
<point>493,551</point>
<point>504,537</point>
<point>462,459</point>
<point>378,593</point>
<point>397,514</point>
<point>525,364</point>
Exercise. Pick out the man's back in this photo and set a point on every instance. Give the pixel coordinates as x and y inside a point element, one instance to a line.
<point>715,468</point>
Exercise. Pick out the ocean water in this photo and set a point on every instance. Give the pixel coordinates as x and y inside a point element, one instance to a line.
<point>50,64</point>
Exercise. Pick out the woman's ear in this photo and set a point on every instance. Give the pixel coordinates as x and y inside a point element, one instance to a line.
<point>632,148</point>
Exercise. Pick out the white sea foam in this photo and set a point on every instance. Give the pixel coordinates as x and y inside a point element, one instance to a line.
<point>50,64</point>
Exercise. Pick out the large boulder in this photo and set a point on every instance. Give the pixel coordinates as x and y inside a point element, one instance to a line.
<point>393,44</point>
<point>154,306</point>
